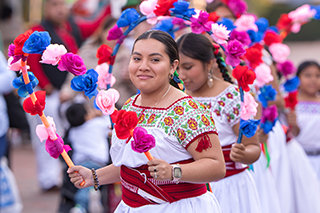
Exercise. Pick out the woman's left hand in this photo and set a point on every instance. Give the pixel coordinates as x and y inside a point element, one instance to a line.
<point>160,169</point>
<point>237,153</point>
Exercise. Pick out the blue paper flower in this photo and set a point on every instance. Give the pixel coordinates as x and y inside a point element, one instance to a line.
<point>25,89</point>
<point>268,126</point>
<point>86,83</point>
<point>273,28</point>
<point>317,15</point>
<point>255,36</point>
<point>37,42</point>
<point>262,24</point>
<point>181,9</point>
<point>228,23</point>
<point>128,17</point>
<point>249,127</point>
<point>291,84</point>
<point>267,93</point>
<point>166,25</point>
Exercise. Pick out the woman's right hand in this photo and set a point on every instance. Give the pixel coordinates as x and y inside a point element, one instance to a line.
<point>78,174</point>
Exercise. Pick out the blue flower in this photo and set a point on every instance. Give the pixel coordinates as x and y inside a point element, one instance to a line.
<point>267,93</point>
<point>262,24</point>
<point>317,15</point>
<point>181,9</point>
<point>291,84</point>
<point>228,23</point>
<point>86,83</point>
<point>128,17</point>
<point>255,36</point>
<point>25,89</point>
<point>249,127</point>
<point>166,25</point>
<point>37,42</point>
<point>268,126</point>
<point>274,29</point>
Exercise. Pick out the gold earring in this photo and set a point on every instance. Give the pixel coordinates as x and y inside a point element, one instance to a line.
<point>210,79</point>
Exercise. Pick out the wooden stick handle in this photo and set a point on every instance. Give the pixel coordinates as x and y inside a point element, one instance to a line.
<point>149,156</point>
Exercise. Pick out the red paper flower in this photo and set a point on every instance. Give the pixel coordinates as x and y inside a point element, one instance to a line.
<point>244,76</point>
<point>163,6</point>
<point>254,55</point>
<point>284,23</point>
<point>125,122</point>
<point>38,107</point>
<point>271,37</point>
<point>291,100</point>
<point>19,42</point>
<point>104,54</point>
<point>213,16</point>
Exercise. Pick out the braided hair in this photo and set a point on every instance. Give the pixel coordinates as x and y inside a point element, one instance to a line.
<point>199,47</point>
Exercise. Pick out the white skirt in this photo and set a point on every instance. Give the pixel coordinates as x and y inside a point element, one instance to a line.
<point>237,193</point>
<point>266,186</point>
<point>203,203</point>
<point>305,181</point>
<point>315,162</point>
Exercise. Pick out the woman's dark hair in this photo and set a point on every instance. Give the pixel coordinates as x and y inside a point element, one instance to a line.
<point>76,114</point>
<point>171,47</point>
<point>199,47</point>
<point>305,65</point>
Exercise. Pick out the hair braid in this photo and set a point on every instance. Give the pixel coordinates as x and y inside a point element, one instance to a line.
<point>223,69</point>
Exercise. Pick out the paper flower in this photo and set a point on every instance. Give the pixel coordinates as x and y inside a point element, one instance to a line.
<point>15,66</point>
<point>25,89</point>
<point>53,53</point>
<point>255,36</point>
<point>165,25</point>
<point>262,24</point>
<point>286,68</point>
<point>147,7</point>
<point>269,114</point>
<point>104,54</point>
<point>86,83</point>
<point>105,100</point>
<point>37,42</point>
<point>200,24</point>
<point>271,37</point>
<point>181,8</point>
<point>245,23</point>
<point>254,55</point>
<point>115,33</point>
<point>228,23</point>
<point>163,6</point>
<point>128,17</point>
<point>56,147</point>
<point>104,78</point>
<point>238,7</point>
<point>300,16</point>
<point>248,107</point>
<point>280,52</point>
<point>249,127</point>
<point>19,42</point>
<point>234,51</point>
<point>267,93</point>
<point>213,16</point>
<point>263,75</point>
<point>11,50</point>
<point>44,133</point>
<point>72,63</point>
<point>291,100</point>
<point>39,105</point>
<point>244,76</point>
<point>220,34</point>
<point>242,37</point>
<point>125,122</point>
<point>267,126</point>
<point>284,23</point>
<point>317,9</point>
<point>142,141</point>
<point>291,84</point>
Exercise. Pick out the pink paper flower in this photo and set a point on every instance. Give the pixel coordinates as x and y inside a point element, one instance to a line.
<point>220,33</point>
<point>248,107</point>
<point>72,63</point>
<point>243,37</point>
<point>115,33</point>
<point>16,66</point>
<point>263,74</point>
<point>106,100</point>
<point>11,50</point>
<point>201,23</point>
<point>300,16</point>
<point>245,23</point>
<point>286,68</point>
<point>147,7</point>
<point>56,147</point>
<point>234,51</point>
<point>44,133</point>
<point>269,114</point>
<point>238,7</point>
<point>53,53</point>
<point>280,52</point>
<point>104,77</point>
<point>142,141</point>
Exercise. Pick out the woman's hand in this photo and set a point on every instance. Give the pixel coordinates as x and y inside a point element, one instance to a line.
<point>238,152</point>
<point>78,174</point>
<point>160,169</point>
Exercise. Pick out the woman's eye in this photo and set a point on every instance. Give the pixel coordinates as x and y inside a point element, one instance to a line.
<point>155,60</point>
<point>136,59</point>
<point>188,67</point>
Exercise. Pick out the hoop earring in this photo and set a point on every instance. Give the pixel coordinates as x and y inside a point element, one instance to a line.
<point>210,79</point>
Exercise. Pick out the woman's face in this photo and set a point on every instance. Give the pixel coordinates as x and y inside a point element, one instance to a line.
<point>149,66</point>
<point>192,72</point>
<point>224,12</point>
<point>310,80</point>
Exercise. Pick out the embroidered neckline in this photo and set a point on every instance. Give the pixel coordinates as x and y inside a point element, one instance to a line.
<point>226,90</point>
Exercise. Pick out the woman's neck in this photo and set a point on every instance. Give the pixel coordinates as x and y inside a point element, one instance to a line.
<point>206,91</point>
<point>156,99</point>
<point>304,96</point>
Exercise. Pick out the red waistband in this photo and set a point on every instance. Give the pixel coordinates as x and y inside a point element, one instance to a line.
<point>139,188</point>
<point>231,166</point>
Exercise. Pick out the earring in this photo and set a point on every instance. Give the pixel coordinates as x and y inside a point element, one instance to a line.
<point>210,79</point>
<point>170,76</point>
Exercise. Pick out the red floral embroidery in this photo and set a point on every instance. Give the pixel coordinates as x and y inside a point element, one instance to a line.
<point>205,120</point>
<point>235,111</point>
<point>211,118</point>
<point>151,118</point>
<point>221,103</point>
<point>179,110</point>
<point>141,118</point>
<point>192,124</point>
<point>181,134</point>
<point>229,95</point>
<point>168,121</point>
<point>193,104</point>
<point>209,106</point>
<point>217,112</point>
<point>204,106</point>
<point>229,117</point>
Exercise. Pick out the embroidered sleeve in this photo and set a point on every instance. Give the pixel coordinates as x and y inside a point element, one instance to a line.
<point>193,121</point>
<point>231,104</point>
<point>128,103</point>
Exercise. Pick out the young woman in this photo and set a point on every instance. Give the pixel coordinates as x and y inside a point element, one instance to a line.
<point>237,191</point>
<point>187,152</point>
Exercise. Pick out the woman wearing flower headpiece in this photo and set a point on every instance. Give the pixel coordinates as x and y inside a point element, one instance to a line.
<point>187,153</point>
<point>237,191</point>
